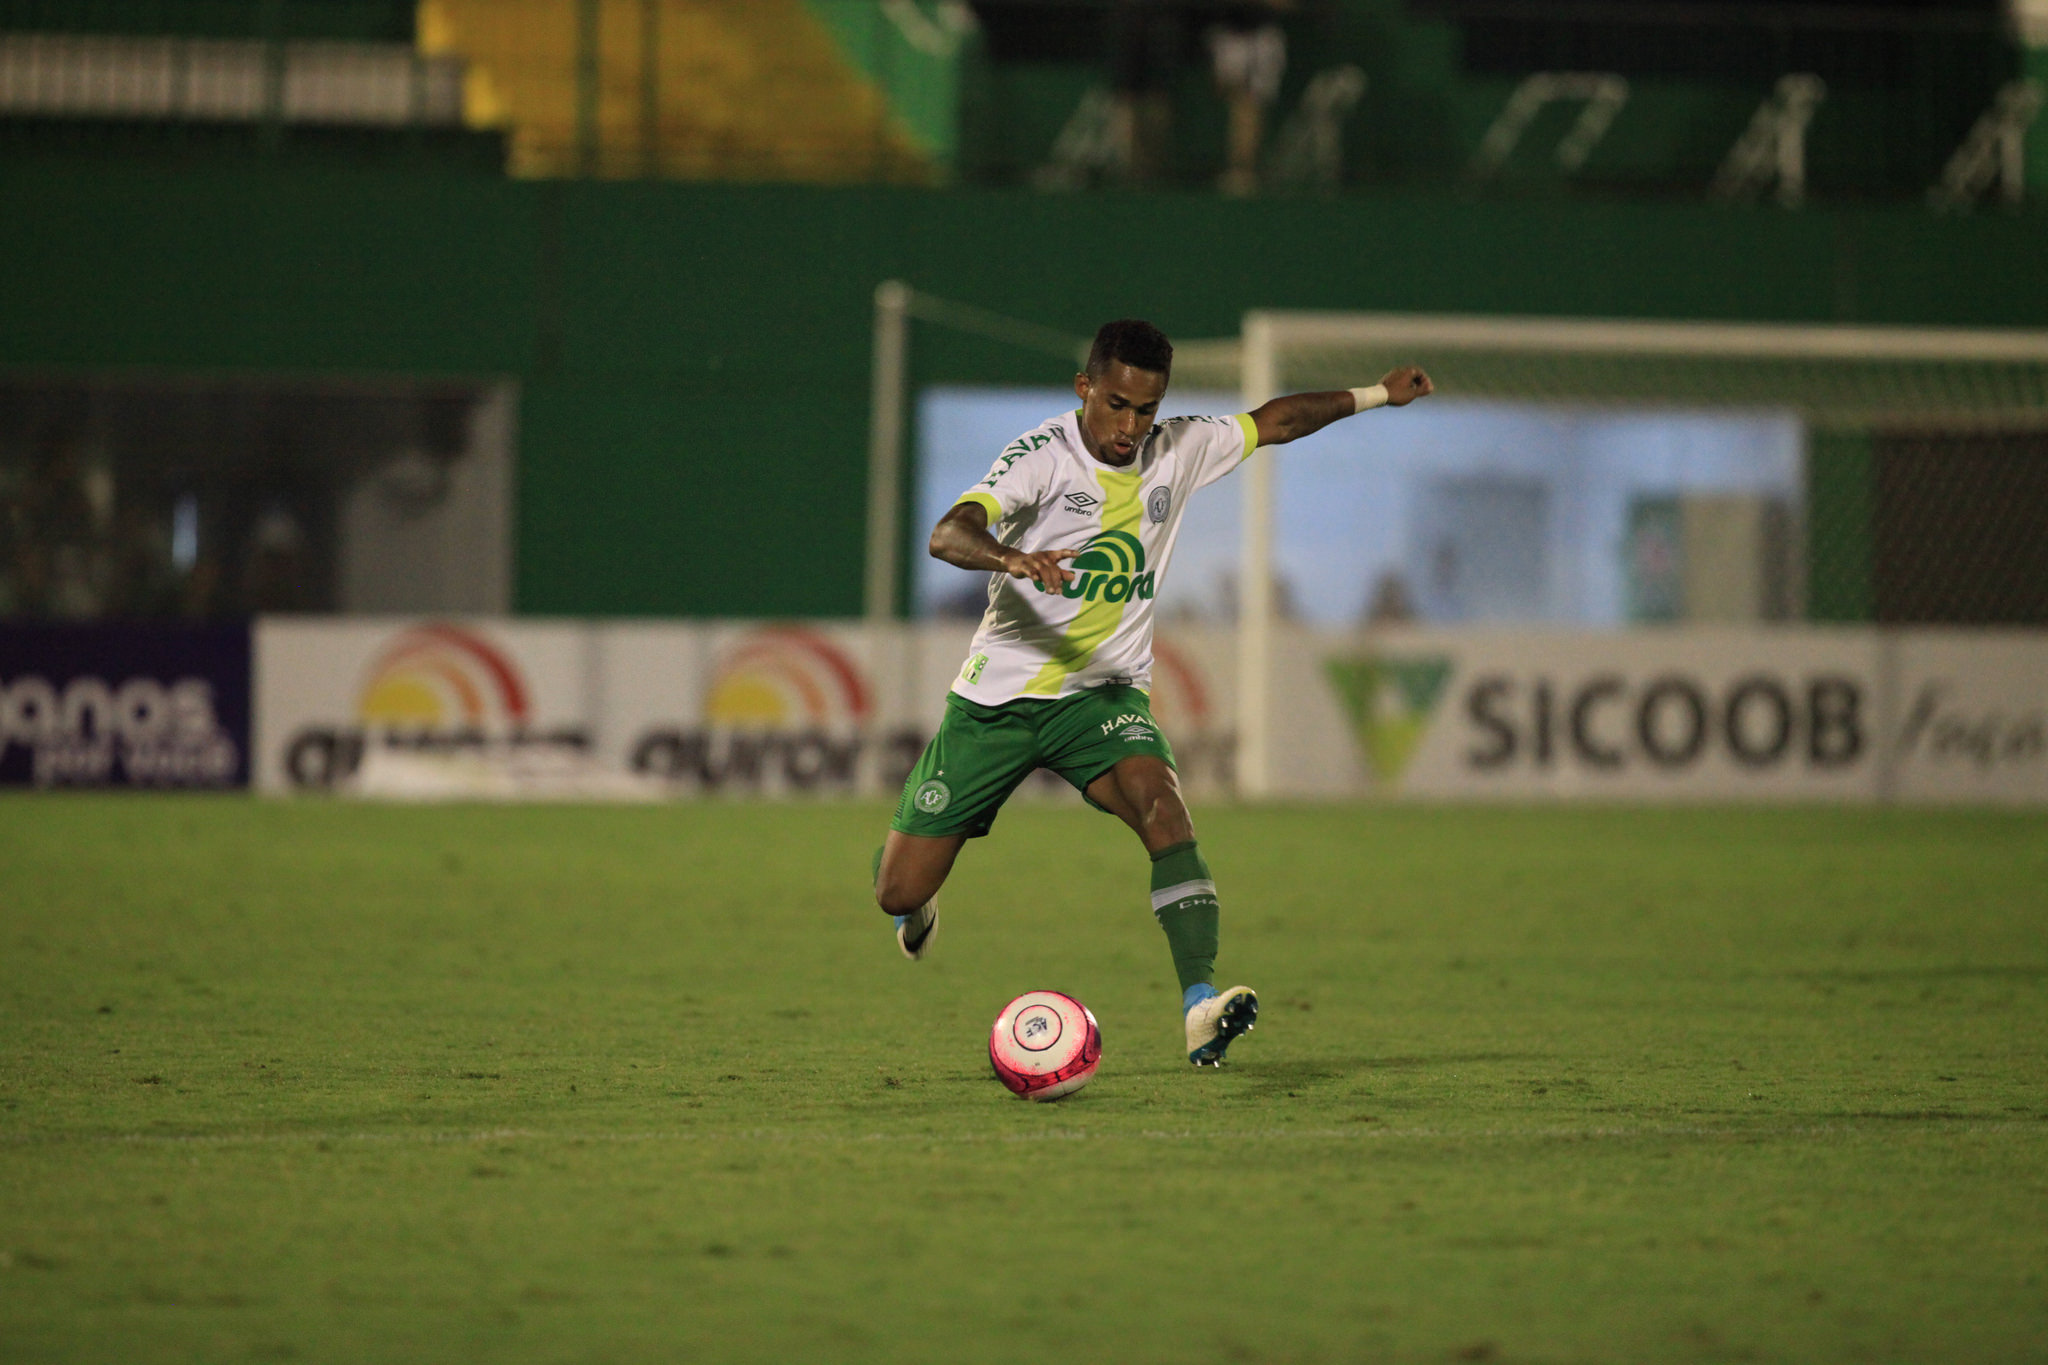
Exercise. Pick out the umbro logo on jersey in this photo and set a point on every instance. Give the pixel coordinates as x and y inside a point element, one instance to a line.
<point>1081,502</point>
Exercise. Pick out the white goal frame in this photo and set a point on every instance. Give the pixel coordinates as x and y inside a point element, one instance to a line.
<point>1839,377</point>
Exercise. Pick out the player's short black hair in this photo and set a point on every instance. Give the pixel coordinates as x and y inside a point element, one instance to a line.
<point>1137,344</point>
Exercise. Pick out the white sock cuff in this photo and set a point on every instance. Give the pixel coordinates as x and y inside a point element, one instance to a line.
<point>1173,895</point>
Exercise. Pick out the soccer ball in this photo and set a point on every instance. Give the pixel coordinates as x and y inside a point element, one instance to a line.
<point>1045,1045</point>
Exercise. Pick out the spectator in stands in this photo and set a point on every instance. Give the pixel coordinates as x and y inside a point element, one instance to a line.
<point>1249,49</point>
<point>144,586</point>
<point>54,529</point>
<point>1391,603</point>
<point>274,570</point>
<point>1144,55</point>
<point>11,546</point>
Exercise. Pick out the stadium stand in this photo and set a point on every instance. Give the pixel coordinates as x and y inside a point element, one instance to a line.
<point>1889,101</point>
<point>689,88</point>
<point>316,77</point>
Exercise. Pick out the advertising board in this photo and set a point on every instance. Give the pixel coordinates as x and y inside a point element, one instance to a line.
<point>1194,699</point>
<point>749,708</point>
<point>758,708</point>
<point>1703,714</point>
<point>1972,717</point>
<point>326,689</point>
<point>124,706</point>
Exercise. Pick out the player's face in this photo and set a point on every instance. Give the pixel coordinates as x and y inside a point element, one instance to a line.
<point>1117,410</point>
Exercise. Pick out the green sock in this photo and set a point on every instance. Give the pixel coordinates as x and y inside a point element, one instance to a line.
<point>1184,902</point>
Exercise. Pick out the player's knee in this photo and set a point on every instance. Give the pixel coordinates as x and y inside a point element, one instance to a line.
<point>1164,827</point>
<point>1165,820</point>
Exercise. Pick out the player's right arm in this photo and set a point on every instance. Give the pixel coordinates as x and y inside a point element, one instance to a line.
<point>1017,483</point>
<point>962,538</point>
<point>1299,414</point>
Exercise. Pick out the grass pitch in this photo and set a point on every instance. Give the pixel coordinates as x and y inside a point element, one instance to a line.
<point>325,1082</point>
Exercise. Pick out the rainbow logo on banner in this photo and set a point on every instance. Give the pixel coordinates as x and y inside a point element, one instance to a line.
<point>785,679</point>
<point>443,677</point>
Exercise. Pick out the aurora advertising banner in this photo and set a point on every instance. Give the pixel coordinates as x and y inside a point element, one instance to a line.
<point>329,691</point>
<point>647,710</point>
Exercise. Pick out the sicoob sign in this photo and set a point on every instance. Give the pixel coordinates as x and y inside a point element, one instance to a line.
<point>1706,714</point>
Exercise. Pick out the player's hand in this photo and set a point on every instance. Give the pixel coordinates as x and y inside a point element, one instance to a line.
<point>1042,567</point>
<point>1405,385</point>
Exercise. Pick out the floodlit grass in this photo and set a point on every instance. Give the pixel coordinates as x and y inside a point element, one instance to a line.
<point>323,1082</point>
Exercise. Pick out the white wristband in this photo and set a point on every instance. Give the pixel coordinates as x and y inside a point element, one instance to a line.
<point>1374,397</point>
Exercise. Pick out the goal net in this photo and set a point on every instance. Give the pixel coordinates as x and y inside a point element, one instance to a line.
<point>1615,473</point>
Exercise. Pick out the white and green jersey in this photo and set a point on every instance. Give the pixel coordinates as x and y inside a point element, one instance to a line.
<point>1046,492</point>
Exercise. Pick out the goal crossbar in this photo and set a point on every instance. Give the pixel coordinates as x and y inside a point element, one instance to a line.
<point>1858,378</point>
<point>1628,336</point>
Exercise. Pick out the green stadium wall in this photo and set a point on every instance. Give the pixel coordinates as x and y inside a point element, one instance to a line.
<point>693,360</point>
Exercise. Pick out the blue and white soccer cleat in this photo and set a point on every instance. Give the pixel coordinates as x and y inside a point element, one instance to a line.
<point>1215,1019</point>
<point>914,931</point>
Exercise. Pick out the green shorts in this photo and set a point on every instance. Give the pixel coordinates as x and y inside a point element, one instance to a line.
<point>981,753</point>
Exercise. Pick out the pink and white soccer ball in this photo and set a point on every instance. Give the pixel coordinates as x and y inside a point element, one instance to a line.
<point>1045,1045</point>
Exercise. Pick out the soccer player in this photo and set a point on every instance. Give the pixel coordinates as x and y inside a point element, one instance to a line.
<point>1075,525</point>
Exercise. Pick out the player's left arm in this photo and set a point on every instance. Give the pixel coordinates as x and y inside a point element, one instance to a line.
<point>1295,415</point>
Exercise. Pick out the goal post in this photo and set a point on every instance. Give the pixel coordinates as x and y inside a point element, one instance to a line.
<point>897,305</point>
<point>1837,380</point>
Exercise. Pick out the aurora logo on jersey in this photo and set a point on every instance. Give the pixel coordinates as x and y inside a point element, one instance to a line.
<point>1111,568</point>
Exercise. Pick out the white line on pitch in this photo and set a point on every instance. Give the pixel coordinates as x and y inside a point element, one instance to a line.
<point>1360,1133</point>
